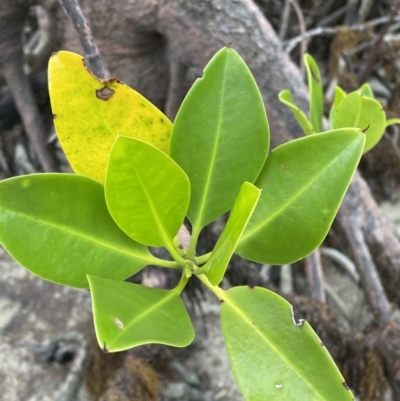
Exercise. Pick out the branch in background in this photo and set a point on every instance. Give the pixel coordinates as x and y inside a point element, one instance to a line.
<point>342,260</point>
<point>366,267</point>
<point>289,45</point>
<point>284,20</point>
<point>92,53</point>
<point>302,26</point>
<point>374,50</point>
<point>315,276</point>
<point>29,111</point>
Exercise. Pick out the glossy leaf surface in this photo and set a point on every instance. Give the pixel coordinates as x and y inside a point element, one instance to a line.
<point>316,93</point>
<point>147,193</point>
<point>226,244</point>
<point>361,112</point>
<point>58,227</point>
<point>89,114</point>
<point>286,98</point>
<point>303,183</point>
<point>220,136</point>
<point>272,356</point>
<point>127,315</point>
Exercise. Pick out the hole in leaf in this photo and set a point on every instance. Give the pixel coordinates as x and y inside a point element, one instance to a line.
<point>104,93</point>
<point>300,322</point>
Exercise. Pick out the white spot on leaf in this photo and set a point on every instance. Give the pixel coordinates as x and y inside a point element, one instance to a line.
<point>118,323</point>
<point>279,386</point>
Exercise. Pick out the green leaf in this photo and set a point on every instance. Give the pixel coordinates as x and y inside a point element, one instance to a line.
<point>127,315</point>
<point>90,113</point>
<point>361,112</point>
<point>147,193</point>
<point>226,244</point>
<point>372,117</point>
<point>220,136</point>
<point>340,94</point>
<point>286,98</point>
<point>272,356</point>
<point>303,183</point>
<point>366,91</point>
<point>58,227</point>
<point>347,112</point>
<point>316,93</point>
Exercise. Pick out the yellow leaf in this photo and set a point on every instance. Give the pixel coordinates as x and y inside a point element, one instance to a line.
<point>90,113</point>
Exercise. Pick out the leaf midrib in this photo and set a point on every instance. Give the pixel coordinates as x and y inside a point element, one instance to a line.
<point>160,225</point>
<point>45,222</point>
<point>214,153</point>
<point>144,313</point>
<point>290,201</point>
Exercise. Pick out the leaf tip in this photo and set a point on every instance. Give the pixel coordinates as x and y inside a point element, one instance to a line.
<point>105,349</point>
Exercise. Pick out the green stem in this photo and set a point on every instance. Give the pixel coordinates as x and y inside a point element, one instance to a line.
<point>193,242</point>
<point>200,260</point>
<point>175,254</point>
<point>219,292</point>
<point>169,264</point>
<point>201,270</point>
<point>182,284</point>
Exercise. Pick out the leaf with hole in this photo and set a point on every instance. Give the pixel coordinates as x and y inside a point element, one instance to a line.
<point>226,244</point>
<point>58,227</point>
<point>220,136</point>
<point>303,183</point>
<point>90,113</point>
<point>147,193</point>
<point>127,315</point>
<point>286,98</point>
<point>272,356</point>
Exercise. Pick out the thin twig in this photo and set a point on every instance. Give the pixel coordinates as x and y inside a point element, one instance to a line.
<point>92,53</point>
<point>364,10</point>
<point>286,281</point>
<point>374,50</point>
<point>367,270</point>
<point>332,18</point>
<point>342,260</point>
<point>284,20</point>
<point>302,26</point>
<point>28,109</point>
<point>289,45</point>
<point>315,276</point>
